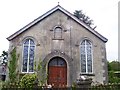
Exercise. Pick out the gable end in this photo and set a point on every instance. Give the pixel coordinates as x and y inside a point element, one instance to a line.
<point>58,7</point>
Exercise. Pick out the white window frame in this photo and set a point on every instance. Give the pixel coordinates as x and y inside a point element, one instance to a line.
<point>86,56</point>
<point>28,55</point>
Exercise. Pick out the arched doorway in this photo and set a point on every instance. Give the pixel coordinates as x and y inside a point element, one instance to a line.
<point>57,72</point>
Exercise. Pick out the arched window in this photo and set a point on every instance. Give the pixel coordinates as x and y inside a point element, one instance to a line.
<point>86,56</point>
<point>28,55</point>
<point>58,33</point>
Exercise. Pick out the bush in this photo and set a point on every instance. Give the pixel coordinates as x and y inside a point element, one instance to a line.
<point>28,81</point>
<point>113,78</point>
<point>8,84</point>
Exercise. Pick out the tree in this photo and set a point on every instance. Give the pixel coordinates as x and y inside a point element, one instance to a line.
<point>112,68</point>
<point>78,14</point>
<point>4,57</point>
<point>109,66</point>
<point>82,17</point>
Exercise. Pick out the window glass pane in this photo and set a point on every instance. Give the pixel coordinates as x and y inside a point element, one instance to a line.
<point>25,58</point>
<point>31,42</point>
<point>58,33</point>
<point>57,62</point>
<point>28,55</point>
<point>89,66</point>
<point>89,58</point>
<point>83,57</point>
<point>31,59</point>
<point>83,63</point>
<point>89,63</point>
<point>88,42</point>
<point>61,62</point>
<point>82,49</point>
<point>83,68</point>
<point>53,62</point>
<point>25,65</point>
<point>86,56</point>
<point>83,42</point>
<point>26,42</point>
<point>58,29</point>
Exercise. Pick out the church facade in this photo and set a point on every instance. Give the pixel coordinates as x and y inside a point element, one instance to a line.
<point>67,47</point>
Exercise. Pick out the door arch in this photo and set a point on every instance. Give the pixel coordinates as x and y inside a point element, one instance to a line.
<point>57,72</point>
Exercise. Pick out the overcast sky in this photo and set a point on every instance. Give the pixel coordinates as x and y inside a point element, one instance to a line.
<point>14,14</point>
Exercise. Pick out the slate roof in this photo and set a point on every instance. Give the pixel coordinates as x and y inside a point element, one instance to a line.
<point>58,7</point>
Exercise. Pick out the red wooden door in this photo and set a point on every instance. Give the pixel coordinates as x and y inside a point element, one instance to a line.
<point>57,73</point>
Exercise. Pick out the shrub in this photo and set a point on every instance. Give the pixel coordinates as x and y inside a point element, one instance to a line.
<point>12,66</point>
<point>113,78</point>
<point>28,81</point>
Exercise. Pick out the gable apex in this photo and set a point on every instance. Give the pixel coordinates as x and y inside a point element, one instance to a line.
<point>58,7</point>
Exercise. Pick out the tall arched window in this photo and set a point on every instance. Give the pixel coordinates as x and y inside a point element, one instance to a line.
<point>28,55</point>
<point>86,56</point>
<point>58,33</point>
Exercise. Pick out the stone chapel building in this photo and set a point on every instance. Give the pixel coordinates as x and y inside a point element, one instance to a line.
<point>67,47</point>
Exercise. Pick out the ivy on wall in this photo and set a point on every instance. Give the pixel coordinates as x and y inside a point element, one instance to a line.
<point>41,72</point>
<point>12,66</point>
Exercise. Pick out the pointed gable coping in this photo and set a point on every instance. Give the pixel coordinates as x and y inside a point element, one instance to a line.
<point>58,7</point>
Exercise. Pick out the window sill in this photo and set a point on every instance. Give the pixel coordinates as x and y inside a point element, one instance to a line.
<point>88,74</point>
<point>27,72</point>
<point>57,39</point>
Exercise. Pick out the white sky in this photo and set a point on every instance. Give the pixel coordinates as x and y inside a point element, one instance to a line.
<point>14,14</point>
